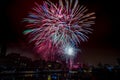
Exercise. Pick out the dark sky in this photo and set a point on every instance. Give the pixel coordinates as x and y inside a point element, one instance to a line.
<point>106,30</point>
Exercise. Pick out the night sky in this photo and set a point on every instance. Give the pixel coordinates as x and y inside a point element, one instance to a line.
<point>103,44</point>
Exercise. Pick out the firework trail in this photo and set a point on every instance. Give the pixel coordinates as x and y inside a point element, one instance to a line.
<point>52,26</point>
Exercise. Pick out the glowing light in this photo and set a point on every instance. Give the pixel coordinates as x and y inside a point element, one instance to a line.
<point>54,25</point>
<point>69,51</point>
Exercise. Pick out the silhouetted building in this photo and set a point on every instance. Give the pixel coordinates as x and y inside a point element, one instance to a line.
<point>3,50</point>
<point>118,61</point>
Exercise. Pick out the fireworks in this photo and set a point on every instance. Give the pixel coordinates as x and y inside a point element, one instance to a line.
<point>53,26</point>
